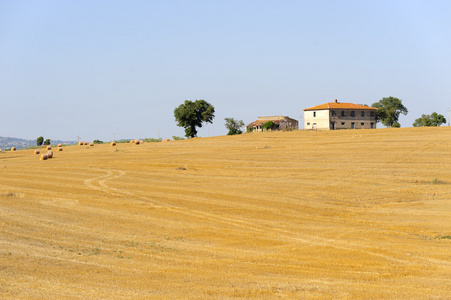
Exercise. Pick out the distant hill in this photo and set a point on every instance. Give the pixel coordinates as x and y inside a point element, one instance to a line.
<point>8,142</point>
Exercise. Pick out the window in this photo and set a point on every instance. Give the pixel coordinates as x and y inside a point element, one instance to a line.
<point>352,126</point>
<point>362,113</point>
<point>308,123</point>
<point>343,123</point>
<point>352,114</point>
<point>363,124</point>
<point>314,114</point>
<point>372,125</point>
<point>372,114</point>
<point>333,113</point>
<point>342,113</point>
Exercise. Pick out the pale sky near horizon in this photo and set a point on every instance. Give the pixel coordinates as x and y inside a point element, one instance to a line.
<point>98,68</point>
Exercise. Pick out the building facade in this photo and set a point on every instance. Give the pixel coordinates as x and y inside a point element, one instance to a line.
<point>280,123</point>
<point>336,115</point>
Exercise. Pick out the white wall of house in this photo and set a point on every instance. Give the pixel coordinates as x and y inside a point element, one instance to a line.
<point>316,119</point>
<point>341,119</point>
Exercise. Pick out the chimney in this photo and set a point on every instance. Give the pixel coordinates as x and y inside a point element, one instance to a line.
<point>336,101</point>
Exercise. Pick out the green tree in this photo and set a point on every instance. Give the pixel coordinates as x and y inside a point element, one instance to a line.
<point>98,142</point>
<point>234,126</point>
<point>268,125</point>
<point>388,111</point>
<point>433,119</point>
<point>47,142</point>
<point>39,141</point>
<point>192,114</point>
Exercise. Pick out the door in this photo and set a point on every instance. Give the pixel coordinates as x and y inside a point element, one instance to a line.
<point>352,125</point>
<point>332,125</point>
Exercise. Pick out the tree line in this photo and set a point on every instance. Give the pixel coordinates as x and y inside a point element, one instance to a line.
<point>192,114</point>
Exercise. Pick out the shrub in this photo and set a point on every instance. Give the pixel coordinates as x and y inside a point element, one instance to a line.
<point>268,125</point>
<point>152,140</point>
<point>177,138</point>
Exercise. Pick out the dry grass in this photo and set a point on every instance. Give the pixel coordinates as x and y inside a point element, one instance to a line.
<point>344,214</point>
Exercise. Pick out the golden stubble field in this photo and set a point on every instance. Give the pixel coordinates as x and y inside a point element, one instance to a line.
<point>342,214</point>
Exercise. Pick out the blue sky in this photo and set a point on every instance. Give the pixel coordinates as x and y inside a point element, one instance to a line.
<point>98,68</point>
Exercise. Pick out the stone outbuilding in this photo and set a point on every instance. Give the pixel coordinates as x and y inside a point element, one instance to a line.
<point>337,115</point>
<point>280,123</point>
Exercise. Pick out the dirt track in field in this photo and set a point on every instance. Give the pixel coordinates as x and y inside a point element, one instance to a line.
<point>343,214</point>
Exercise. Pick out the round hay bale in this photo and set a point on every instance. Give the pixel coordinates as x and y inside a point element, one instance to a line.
<point>59,145</point>
<point>85,143</point>
<point>13,148</point>
<point>37,151</point>
<point>44,156</point>
<point>132,141</point>
<point>113,143</point>
<point>136,141</point>
<point>50,154</point>
<point>80,143</point>
<point>49,147</point>
<point>166,140</point>
<point>60,149</point>
<point>91,144</point>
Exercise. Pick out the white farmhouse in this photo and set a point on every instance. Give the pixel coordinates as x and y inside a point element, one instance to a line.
<point>337,115</point>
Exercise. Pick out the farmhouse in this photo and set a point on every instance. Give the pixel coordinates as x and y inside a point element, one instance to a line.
<point>337,115</point>
<point>280,123</point>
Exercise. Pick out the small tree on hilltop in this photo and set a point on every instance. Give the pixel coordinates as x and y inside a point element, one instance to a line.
<point>47,142</point>
<point>388,111</point>
<point>434,119</point>
<point>192,114</point>
<point>234,126</point>
<point>39,141</point>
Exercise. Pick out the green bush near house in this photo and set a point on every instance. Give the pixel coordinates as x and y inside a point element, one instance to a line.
<point>268,125</point>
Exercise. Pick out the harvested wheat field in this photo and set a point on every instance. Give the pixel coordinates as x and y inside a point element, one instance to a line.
<point>338,214</point>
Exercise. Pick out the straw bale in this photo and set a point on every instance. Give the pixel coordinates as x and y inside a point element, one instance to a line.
<point>44,156</point>
<point>13,148</point>
<point>132,141</point>
<point>49,147</point>
<point>85,143</point>
<point>91,144</point>
<point>59,145</point>
<point>50,154</point>
<point>113,143</point>
<point>37,151</point>
<point>80,143</point>
<point>60,149</point>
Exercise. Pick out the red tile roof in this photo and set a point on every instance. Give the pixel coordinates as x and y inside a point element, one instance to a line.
<point>340,105</point>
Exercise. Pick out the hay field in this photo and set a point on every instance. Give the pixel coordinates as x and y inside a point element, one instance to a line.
<point>343,214</point>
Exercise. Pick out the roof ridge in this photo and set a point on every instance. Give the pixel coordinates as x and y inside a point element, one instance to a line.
<point>339,105</point>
